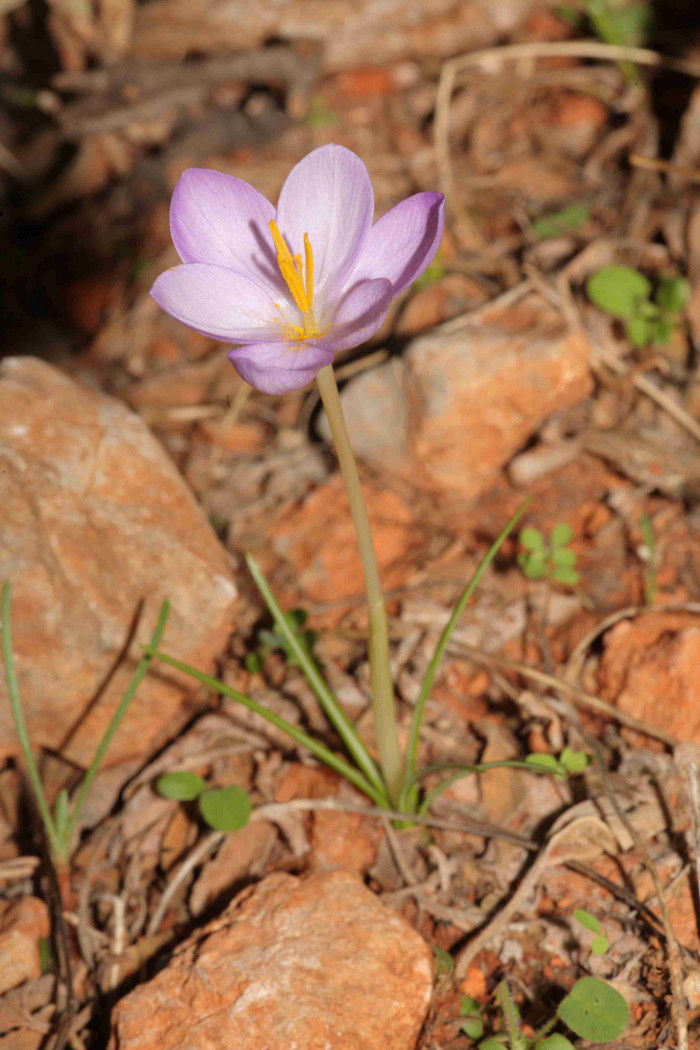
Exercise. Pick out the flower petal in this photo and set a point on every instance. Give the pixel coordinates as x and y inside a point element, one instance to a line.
<point>220,303</point>
<point>359,315</point>
<point>328,195</point>
<point>219,219</point>
<point>277,368</point>
<point>403,243</point>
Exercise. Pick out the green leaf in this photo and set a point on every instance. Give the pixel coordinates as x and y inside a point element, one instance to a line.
<point>587,920</point>
<point>494,1042</point>
<point>600,944</point>
<point>561,535</point>
<point>661,331</point>
<point>544,763</point>
<point>434,272</point>
<point>554,1042</point>
<point>618,290</point>
<point>473,1027</point>
<point>61,812</point>
<point>672,294</point>
<point>226,809</point>
<point>594,1010</point>
<point>574,761</point>
<point>533,564</point>
<point>564,557</point>
<point>444,963</point>
<point>468,1006</point>
<point>253,662</point>
<point>572,217</point>
<point>639,330</point>
<point>46,959</point>
<point>563,574</point>
<point>531,539</point>
<point>181,784</point>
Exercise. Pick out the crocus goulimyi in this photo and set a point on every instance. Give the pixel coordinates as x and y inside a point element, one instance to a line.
<point>291,287</point>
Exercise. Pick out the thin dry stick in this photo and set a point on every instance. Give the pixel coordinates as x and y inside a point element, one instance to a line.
<point>493,57</point>
<point>645,386</point>
<point>656,164</point>
<point>675,969</point>
<point>577,696</point>
<point>272,810</point>
<point>575,661</point>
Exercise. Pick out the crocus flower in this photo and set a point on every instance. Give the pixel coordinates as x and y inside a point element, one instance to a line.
<point>294,286</point>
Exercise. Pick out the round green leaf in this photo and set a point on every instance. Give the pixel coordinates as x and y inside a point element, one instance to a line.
<point>661,330</point>
<point>639,330</point>
<point>494,1042</point>
<point>563,574</point>
<point>181,785</point>
<point>587,920</point>
<point>468,1006</point>
<point>672,294</point>
<point>594,1010</point>
<point>573,761</point>
<point>600,944</point>
<point>473,1027</point>
<point>561,535</point>
<point>619,290</point>
<point>555,1042</point>
<point>564,556</point>
<point>543,762</point>
<point>226,809</point>
<point>531,539</point>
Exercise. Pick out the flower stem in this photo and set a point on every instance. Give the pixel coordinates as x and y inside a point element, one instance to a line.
<point>383,703</point>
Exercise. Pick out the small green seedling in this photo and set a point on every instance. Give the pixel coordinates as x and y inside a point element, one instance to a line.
<point>600,943</point>
<point>435,272</point>
<point>623,24</point>
<point>569,763</point>
<point>223,809</point>
<point>565,220</point>
<point>269,641</point>
<point>473,1024</point>
<point>553,560</point>
<point>592,1010</point>
<point>625,293</point>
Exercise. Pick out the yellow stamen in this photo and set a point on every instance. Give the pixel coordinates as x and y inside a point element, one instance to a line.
<point>299,278</point>
<point>309,260</point>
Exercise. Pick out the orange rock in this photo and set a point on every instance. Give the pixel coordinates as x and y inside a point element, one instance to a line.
<point>22,923</point>
<point>576,121</point>
<point>651,669</point>
<point>242,437</point>
<point>313,963</point>
<point>344,841</point>
<point>96,519</point>
<point>365,82</point>
<point>474,984</point>
<point>455,409</point>
<point>300,781</point>
<point>240,854</point>
<point>318,539</point>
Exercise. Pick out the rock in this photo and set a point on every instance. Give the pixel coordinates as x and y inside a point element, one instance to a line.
<point>306,963</point>
<point>575,122</point>
<point>22,923</point>
<point>96,519</point>
<point>456,408</point>
<point>317,537</point>
<point>651,669</point>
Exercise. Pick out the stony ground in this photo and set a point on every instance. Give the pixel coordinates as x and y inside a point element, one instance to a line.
<point>137,466</point>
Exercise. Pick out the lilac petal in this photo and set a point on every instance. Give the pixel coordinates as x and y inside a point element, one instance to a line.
<point>328,195</point>
<point>403,243</point>
<point>220,303</point>
<point>359,315</point>
<point>277,368</point>
<point>222,220</point>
